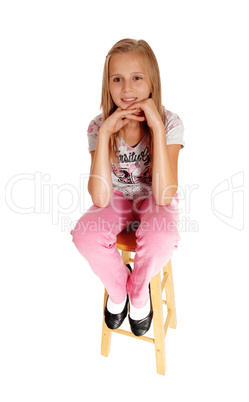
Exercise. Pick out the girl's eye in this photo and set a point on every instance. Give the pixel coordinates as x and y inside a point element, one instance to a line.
<point>137,78</point>
<point>117,79</point>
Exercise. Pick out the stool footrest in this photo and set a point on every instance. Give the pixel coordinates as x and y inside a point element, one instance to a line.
<point>142,338</point>
<point>146,338</point>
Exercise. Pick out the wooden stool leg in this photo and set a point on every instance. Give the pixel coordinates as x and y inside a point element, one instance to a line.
<point>106,334</point>
<point>156,298</point>
<point>170,295</point>
<point>126,256</point>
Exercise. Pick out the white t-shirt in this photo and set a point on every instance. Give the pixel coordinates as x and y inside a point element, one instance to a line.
<point>133,178</point>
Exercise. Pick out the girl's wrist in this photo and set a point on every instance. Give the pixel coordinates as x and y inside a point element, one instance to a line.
<point>159,129</point>
<point>104,134</point>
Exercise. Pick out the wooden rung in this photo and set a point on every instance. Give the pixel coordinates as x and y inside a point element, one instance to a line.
<point>164,301</point>
<point>142,338</point>
<point>165,277</point>
<point>166,325</point>
<point>131,259</point>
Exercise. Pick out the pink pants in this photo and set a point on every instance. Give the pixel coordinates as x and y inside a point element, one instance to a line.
<point>157,236</point>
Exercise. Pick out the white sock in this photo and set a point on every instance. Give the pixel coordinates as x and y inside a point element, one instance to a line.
<point>139,313</point>
<point>115,308</point>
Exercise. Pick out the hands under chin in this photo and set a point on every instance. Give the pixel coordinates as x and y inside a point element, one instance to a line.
<point>147,109</point>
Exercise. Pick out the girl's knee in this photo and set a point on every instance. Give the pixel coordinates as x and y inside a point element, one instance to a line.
<point>82,236</point>
<point>156,237</point>
<point>173,239</point>
<point>89,235</point>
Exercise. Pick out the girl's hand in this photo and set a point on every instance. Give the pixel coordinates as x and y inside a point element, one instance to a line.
<point>119,119</point>
<point>148,109</point>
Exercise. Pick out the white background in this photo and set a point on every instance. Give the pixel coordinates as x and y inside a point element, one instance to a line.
<point>51,303</point>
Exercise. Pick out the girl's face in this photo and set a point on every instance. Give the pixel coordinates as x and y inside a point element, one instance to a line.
<point>128,79</point>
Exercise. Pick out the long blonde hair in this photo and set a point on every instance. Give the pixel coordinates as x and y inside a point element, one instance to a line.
<point>144,51</point>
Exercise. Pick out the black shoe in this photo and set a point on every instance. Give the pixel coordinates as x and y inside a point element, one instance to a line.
<point>114,321</point>
<point>140,327</point>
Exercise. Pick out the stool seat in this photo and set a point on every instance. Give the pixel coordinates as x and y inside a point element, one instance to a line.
<point>126,243</point>
<point>126,240</point>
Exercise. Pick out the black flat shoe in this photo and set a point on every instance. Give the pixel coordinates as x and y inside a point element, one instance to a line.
<point>140,327</point>
<point>114,321</point>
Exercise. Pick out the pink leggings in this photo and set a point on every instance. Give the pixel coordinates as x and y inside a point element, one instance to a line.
<point>157,236</point>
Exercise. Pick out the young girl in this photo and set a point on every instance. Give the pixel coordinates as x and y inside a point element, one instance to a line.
<point>134,146</point>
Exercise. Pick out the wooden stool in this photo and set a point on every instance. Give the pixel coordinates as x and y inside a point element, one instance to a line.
<point>126,243</point>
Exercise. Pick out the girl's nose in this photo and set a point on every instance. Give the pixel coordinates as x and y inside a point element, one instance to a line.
<point>127,86</point>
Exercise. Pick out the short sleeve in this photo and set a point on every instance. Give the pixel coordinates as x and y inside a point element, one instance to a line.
<point>174,128</point>
<point>92,132</point>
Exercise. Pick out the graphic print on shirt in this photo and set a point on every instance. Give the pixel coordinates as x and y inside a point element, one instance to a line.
<point>133,167</point>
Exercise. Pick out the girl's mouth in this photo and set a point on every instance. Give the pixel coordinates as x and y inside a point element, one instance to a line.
<point>128,100</point>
